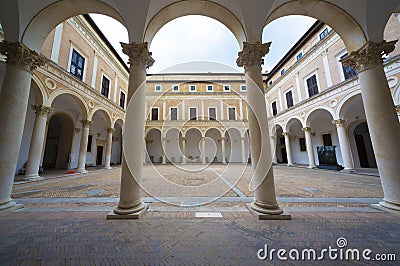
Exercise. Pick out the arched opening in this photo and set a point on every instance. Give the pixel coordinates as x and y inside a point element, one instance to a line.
<point>193,145</point>
<point>280,148</point>
<point>213,145</point>
<point>233,143</point>
<point>362,146</point>
<point>154,146</point>
<point>60,134</point>
<point>297,142</point>
<point>391,32</point>
<point>173,146</point>
<point>98,134</point>
<point>116,152</point>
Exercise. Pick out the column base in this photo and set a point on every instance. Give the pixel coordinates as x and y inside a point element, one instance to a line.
<point>387,206</point>
<point>311,166</point>
<point>134,213</point>
<point>266,214</point>
<point>81,171</point>
<point>108,167</point>
<point>33,178</point>
<point>289,164</point>
<point>10,206</point>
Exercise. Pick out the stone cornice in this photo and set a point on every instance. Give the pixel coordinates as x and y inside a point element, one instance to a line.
<point>252,54</point>
<point>20,56</point>
<point>138,53</point>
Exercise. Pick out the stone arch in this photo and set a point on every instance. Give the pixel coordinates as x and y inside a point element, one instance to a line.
<point>102,110</point>
<point>150,129</point>
<point>340,108</point>
<point>189,128</point>
<point>52,15</point>
<point>219,130</point>
<point>173,145</point>
<point>185,8</point>
<point>154,145</point>
<point>233,145</point>
<point>173,128</point>
<point>118,121</point>
<point>213,153</point>
<point>290,122</point>
<point>40,91</point>
<point>81,101</point>
<point>193,137</point>
<point>348,29</point>
<point>309,114</point>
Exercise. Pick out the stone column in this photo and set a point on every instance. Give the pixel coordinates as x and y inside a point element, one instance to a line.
<point>110,132</point>
<point>273,150</point>
<point>288,150</point>
<point>203,150</point>
<point>382,120</point>
<point>163,145</point>
<point>130,204</point>
<point>14,97</point>
<point>344,144</point>
<point>183,150</point>
<point>244,159</point>
<point>309,145</point>
<point>36,147</point>
<point>265,203</point>
<point>223,150</point>
<point>83,145</point>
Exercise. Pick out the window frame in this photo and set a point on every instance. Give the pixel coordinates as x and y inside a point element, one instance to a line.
<point>315,72</point>
<point>226,85</point>
<point>302,144</point>
<point>190,88</point>
<point>243,86</point>
<point>341,66</point>
<point>228,114</point>
<point>212,88</point>
<point>177,113</point>
<point>89,146</point>
<point>216,113</point>
<point>158,114</point>
<point>120,94</point>
<point>173,88</point>
<point>71,49</point>
<point>286,94</point>
<point>323,34</point>
<point>274,112</point>
<point>103,75</point>
<point>197,116</point>
<point>158,85</point>
<point>299,56</point>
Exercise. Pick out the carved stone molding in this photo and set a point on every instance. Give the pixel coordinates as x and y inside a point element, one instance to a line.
<point>339,122</point>
<point>41,110</point>
<point>110,130</point>
<point>19,55</point>
<point>139,55</point>
<point>252,54</point>
<point>306,129</point>
<point>369,55</point>
<point>86,123</point>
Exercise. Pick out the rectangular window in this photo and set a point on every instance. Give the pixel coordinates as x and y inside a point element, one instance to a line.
<point>348,71</point>
<point>122,100</point>
<point>158,88</point>
<point>212,113</point>
<point>105,86</point>
<point>299,56</point>
<point>302,143</point>
<point>89,143</point>
<point>231,113</point>
<point>174,113</point>
<point>243,87</point>
<point>77,64</point>
<point>154,113</point>
<point>175,88</point>
<point>282,71</point>
<point>323,34</point>
<point>193,113</point>
<point>227,88</point>
<point>274,108</point>
<point>289,99</point>
<point>210,88</point>
<point>312,86</point>
<point>192,88</point>
<point>327,139</point>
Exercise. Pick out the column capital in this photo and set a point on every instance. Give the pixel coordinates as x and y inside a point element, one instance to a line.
<point>252,54</point>
<point>339,122</point>
<point>21,56</point>
<point>306,129</point>
<point>41,110</point>
<point>86,123</point>
<point>397,107</point>
<point>139,55</point>
<point>183,139</point>
<point>369,55</point>
<point>110,130</point>
<point>286,134</point>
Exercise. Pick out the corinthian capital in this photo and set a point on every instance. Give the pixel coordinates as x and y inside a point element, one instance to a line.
<point>41,110</point>
<point>369,55</point>
<point>339,122</point>
<point>252,54</point>
<point>306,129</point>
<point>19,55</point>
<point>138,53</point>
<point>86,123</point>
<point>110,130</point>
<point>398,109</point>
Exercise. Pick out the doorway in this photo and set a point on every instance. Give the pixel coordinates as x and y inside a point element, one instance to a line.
<point>99,155</point>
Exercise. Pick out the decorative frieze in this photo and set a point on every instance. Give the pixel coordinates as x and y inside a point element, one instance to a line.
<point>252,54</point>
<point>138,53</point>
<point>369,55</point>
<point>21,56</point>
<point>41,110</point>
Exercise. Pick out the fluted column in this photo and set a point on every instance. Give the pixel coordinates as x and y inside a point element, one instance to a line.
<point>130,204</point>
<point>383,124</point>
<point>14,97</point>
<point>244,159</point>
<point>36,147</point>
<point>263,178</point>
<point>223,150</point>
<point>309,146</point>
<point>344,144</point>
<point>288,149</point>
<point>110,132</point>
<point>183,150</point>
<point>83,145</point>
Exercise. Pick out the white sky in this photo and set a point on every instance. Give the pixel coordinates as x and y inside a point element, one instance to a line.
<point>181,43</point>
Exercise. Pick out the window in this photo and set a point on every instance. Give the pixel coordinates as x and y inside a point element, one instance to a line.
<point>193,113</point>
<point>122,100</point>
<point>212,113</point>
<point>312,85</point>
<point>327,139</point>
<point>158,88</point>
<point>282,71</point>
<point>210,88</point>
<point>105,86</point>
<point>270,82</point>
<point>89,143</point>
<point>227,88</point>
<point>299,56</point>
<point>192,88</point>
<point>348,71</point>
<point>77,64</point>
<point>174,113</point>
<point>289,99</point>
<point>231,113</point>
<point>175,88</point>
<point>274,109</point>
<point>243,87</point>
<point>302,144</point>
<point>154,113</point>
<point>323,34</point>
